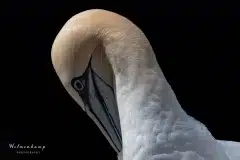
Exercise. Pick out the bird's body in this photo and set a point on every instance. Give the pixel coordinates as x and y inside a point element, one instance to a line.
<point>231,148</point>
<point>108,51</point>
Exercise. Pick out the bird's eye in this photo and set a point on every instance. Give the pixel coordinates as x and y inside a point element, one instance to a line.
<point>78,85</point>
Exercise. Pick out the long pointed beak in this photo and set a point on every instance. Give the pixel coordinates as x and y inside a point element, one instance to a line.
<point>100,105</point>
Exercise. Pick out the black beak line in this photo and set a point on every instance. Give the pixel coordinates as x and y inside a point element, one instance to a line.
<point>90,77</point>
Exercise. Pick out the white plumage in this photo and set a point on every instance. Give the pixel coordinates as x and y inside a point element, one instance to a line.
<point>100,50</point>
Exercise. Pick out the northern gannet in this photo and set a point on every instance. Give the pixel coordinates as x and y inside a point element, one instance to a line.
<point>108,66</point>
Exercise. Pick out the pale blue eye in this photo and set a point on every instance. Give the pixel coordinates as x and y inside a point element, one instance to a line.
<point>78,85</point>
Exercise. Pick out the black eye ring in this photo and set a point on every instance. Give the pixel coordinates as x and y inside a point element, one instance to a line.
<point>78,85</point>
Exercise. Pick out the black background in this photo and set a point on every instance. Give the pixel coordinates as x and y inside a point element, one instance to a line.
<point>196,46</point>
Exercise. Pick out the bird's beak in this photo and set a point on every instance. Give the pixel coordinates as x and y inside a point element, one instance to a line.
<point>100,104</point>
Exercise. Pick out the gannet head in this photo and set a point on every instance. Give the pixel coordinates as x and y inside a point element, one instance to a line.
<point>85,72</point>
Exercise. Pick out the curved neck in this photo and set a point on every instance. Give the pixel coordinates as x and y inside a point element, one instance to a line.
<point>153,124</point>
<point>145,99</point>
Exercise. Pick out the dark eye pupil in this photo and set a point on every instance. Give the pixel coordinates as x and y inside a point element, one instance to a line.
<point>78,85</point>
